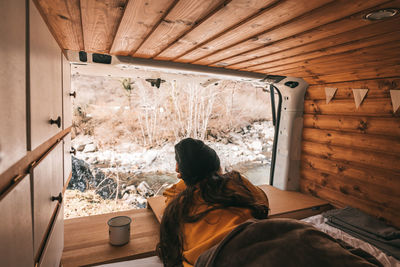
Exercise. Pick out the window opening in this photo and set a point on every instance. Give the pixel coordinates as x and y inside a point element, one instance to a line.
<point>126,123</point>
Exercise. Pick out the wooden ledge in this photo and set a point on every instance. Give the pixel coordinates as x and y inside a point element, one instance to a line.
<point>295,205</point>
<point>283,204</point>
<point>86,239</point>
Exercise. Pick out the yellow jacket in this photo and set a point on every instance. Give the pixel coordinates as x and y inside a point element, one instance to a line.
<point>210,230</point>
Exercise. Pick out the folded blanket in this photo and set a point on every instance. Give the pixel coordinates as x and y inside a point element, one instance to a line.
<point>364,222</point>
<point>367,228</point>
<point>282,242</point>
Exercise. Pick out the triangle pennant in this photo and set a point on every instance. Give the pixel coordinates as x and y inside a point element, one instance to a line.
<point>359,95</point>
<point>395,96</point>
<point>329,93</point>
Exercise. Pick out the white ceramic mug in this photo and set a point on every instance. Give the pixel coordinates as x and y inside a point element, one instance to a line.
<point>119,229</point>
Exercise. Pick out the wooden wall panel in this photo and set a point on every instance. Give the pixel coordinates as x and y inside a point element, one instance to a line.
<point>351,156</point>
<point>354,124</point>
<point>16,244</point>
<point>12,83</point>
<point>45,85</point>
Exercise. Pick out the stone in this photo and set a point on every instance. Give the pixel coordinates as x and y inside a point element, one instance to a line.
<point>144,189</point>
<point>137,201</point>
<point>105,187</point>
<point>81,147</point>
<point>81,175</point>
<point>90,148</point>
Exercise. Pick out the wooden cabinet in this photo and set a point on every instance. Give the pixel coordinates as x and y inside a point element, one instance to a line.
<point>52,251</point>
<point>66,90</point>
<point>16,226</point>
<point>67,157</point>
<point>47,182</point>
<point>45,82</point>
<point>12,83</point>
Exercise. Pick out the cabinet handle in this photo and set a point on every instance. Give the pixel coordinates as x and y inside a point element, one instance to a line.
<point>73,94</point>
<point>73,151</point>
<point>58,198</point>
<point>57,121</point>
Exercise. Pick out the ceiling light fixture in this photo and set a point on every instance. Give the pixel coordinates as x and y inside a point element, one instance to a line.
<point>382,14</point>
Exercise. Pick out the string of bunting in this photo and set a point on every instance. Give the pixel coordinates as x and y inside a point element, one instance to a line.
<point>360,94</point>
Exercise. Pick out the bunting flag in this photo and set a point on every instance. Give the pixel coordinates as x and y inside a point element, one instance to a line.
<point>329,93</point>
<point>359,95</point>
<point>395,96</point>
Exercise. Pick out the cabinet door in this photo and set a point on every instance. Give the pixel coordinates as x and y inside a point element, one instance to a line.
<point>53,249</point>
<point>12,83</point>
<point>47,181</point>
<point>67,98</point>
<point>67,157</point>
<point>45,80</point>
<point>16,226</point>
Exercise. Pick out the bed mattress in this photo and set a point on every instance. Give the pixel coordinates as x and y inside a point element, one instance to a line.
<point>317,221</point>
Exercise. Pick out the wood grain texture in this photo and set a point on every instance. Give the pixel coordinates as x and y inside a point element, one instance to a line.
<point>285,11</point>
<point>185,15</point>
<point>359,189</point>
<point>375,51</point>
<point>319,33</point>
<point>86,239</point>
<point>354,124</point>
<point>64,20</point>
<point>229,16</point>
<point>369,142</point>
<point>387,179</point>
<point>359,38</point>
<point>377,159</point>
<point>378,71</point>
<point>137,22</point>
<point>349,156</point>
<point>378,88</point>
<point>341,66</point>
<point>379,107</point>
<point>325,14</point>
<point>341,199</point>
<point>100,20</point>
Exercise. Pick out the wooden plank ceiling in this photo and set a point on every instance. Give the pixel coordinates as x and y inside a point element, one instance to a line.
<point>319,40</point>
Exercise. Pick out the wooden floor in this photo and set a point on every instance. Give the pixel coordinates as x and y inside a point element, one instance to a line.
<point>86,238</point>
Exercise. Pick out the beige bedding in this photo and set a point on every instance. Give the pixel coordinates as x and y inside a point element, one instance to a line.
<point>318,221</point>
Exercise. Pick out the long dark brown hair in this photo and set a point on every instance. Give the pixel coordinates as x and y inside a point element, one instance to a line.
<point>217,195</point>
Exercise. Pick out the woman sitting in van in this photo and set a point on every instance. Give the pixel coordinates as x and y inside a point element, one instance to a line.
<point>205,205</point>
